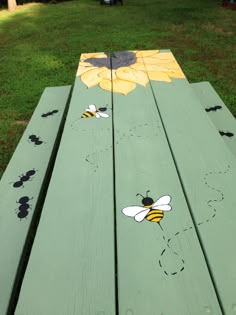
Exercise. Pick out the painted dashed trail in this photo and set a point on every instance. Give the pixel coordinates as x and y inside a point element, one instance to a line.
<point>139,133</point>
<point>136,132</point>
<point>212,205</point>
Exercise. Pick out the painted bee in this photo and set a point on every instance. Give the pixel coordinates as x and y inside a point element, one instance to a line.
<point>151,211</point>
<point>92,111</point>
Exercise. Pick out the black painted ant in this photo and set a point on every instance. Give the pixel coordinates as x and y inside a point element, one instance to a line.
<point>24,178</point>
<point>24,206</point>
<point>49,113</point>
<point>36,140</point>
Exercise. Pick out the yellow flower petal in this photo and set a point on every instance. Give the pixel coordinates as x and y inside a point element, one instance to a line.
<point>92,55</point>
<point>138,66</point>
<point>82,69</point>
<point>128,74</point>
<point>85,64</point>
<point>150,60</point>
<point>158,76</point>
<point>171,65</point>
<point>165,55</point>
<point>119,86</point>
<point>146,53</point>
<point>114,74</point>
<point>123,87</point>
<point>162,60</point>
<point>148,67</point>
<point>91,78</point>
<point>105,84</point>
<point>106,74</point>
<point>155,61</point>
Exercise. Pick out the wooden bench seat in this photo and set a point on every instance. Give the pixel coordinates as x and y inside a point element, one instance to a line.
<point>22,189</point>
<point>219,114</point>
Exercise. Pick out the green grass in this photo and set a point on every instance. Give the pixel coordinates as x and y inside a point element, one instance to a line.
<point>41,45</point>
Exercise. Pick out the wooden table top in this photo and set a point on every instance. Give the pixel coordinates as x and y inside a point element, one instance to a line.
<point>140,214</point>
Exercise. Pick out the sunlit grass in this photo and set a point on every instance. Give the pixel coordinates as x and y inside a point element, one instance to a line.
<point>40,46</point>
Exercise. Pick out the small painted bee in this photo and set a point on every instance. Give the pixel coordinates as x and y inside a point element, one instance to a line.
<point>151,211</point>
<point>92,111</point>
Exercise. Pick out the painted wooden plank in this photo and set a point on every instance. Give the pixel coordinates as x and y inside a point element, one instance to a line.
<point>22,183</point>
<point>161,270</point>
<point>217,112</point>
<point>71,267</point>
<point>207,170</point>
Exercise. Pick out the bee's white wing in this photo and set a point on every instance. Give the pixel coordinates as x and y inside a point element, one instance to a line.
<point>92,108</point>
<point>104,115</point>
<point>132,211</point>
<point>162,207</point>
<point>141,215</point>
<point>163,203</point>
<point>97,115</point>
<point>164,200</point>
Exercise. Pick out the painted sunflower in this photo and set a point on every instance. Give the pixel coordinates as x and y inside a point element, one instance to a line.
<point>128,69</point>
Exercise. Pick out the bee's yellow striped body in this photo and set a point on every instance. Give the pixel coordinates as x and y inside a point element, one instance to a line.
<point>154,215</point>
<point>88,114</point>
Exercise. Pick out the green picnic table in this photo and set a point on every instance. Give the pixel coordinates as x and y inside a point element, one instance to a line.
<point>139,216</point>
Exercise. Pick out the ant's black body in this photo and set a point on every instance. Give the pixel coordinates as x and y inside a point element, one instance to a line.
<point>213,109</point>
<point>24,206</point>
<point>228,134</point>
<point>36,140</point>
<point>49,113</point>
<point>24,178</point>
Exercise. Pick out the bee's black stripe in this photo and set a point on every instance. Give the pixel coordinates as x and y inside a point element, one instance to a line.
<point>155,215</point>
<point>90,114</point>
<point>86,115</point>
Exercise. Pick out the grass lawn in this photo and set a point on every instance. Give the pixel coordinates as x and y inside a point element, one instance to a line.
<point>41,45</point>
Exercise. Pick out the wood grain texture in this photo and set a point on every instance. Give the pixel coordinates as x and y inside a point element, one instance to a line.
<point>208,171</point>
<point>159,272</point>
<point>218,112</point>
<point>71,268</point>
<point>27,156</point>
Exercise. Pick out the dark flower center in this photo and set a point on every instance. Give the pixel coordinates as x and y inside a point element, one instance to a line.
<point>117,60</point>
